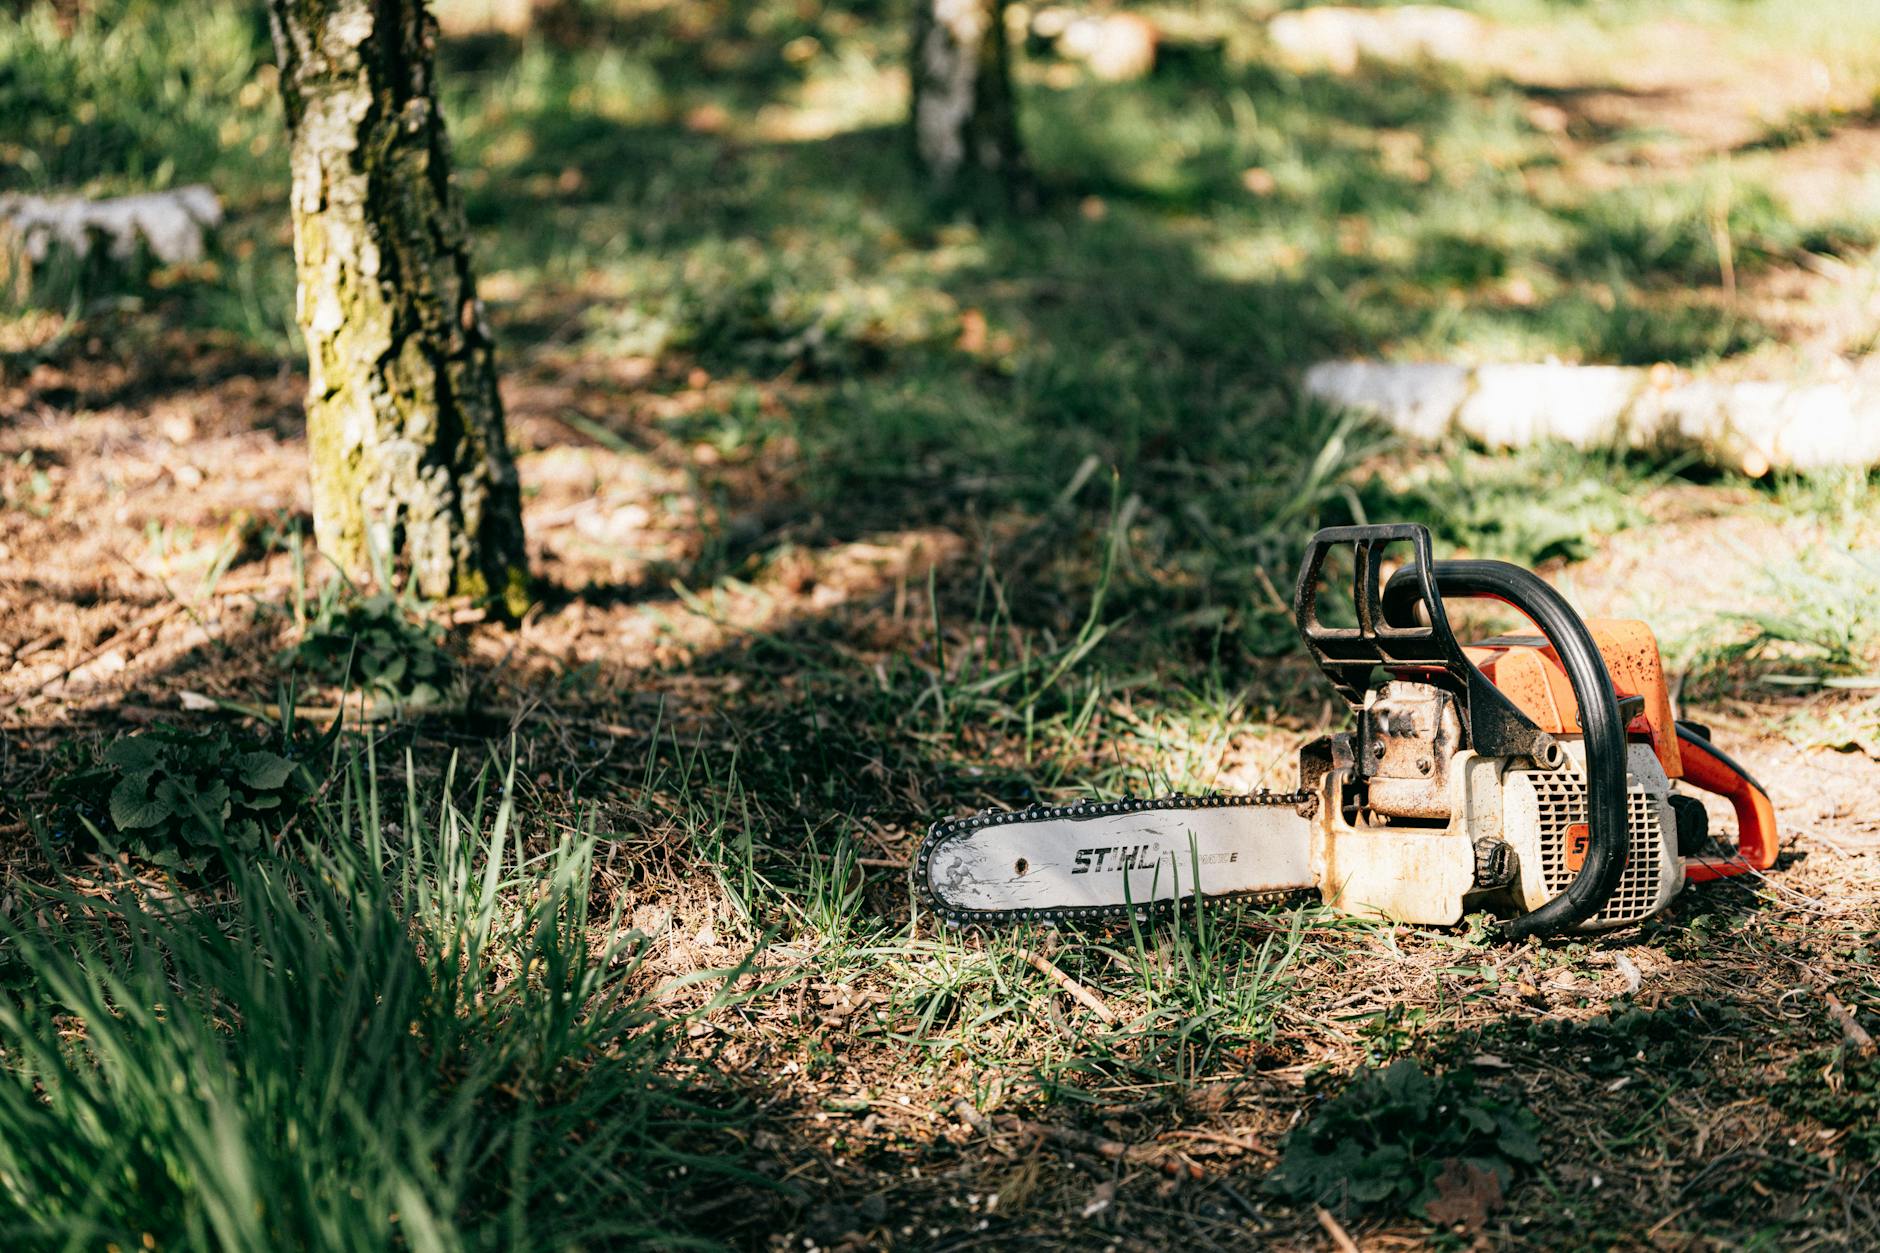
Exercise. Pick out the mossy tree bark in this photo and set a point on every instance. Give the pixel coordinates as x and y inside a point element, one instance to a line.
<point>965,120</point>
<point>411,469</point>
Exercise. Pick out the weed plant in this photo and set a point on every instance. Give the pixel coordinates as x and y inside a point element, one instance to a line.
<point>1385,1139</point>
<point>181,797</point>
<point>374,644</point>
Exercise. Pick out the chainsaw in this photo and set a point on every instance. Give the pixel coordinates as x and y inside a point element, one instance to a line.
<point>1529,776</point>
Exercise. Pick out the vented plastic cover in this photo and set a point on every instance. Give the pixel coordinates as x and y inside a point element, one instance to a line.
<point>1543,806</point>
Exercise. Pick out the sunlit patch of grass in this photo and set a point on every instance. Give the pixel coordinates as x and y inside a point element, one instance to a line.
<point>1183,999</point>
<point>1531,505</point>
<point>1845,500</point>
<point>1387,211</point>
<point>1437,242</point>
<point>1213,979</point>
<point>1814,628</point>
<point>115,97</point>
<point>954,997</point>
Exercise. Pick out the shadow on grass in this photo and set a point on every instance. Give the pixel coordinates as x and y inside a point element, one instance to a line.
<point>1689,1112</point>
<point>910,372</point>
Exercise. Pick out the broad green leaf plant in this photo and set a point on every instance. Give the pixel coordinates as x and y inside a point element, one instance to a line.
<point>175,796</point>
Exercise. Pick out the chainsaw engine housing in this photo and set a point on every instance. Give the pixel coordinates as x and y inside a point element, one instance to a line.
<point>1499,835</point>
<point>1544,821</point>
<point>1529,775</point>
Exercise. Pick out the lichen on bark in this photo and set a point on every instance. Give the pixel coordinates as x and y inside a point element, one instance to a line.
<point>411,471</point>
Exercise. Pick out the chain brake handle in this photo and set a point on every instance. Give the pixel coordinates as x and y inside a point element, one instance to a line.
<point>1710,769</point>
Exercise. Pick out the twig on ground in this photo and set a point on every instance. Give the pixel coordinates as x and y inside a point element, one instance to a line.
<point>1131,1108</point>
<point>1166,1161</point>
<point>33,647</point>
<point>1246,1207</point>
<point>1816,837</point>
<point>1851,1030</point>
<point>144,623</point>
<point>376,711</point>
<point>1668,1219</point>
<point>1341,1239</point>
<point>970,1115</point>
<point>873,863</point>
<point>1079,993</point>
<point>1217,1137</point>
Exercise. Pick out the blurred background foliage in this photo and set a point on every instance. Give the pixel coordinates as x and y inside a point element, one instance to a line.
<point>669,192</point>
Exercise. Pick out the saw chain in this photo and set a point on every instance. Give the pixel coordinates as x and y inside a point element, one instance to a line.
<point>950,829</point>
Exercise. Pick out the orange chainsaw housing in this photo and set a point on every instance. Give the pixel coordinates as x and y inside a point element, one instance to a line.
<point>1529,674</point>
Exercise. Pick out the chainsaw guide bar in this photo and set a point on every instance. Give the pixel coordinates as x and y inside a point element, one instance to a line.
<point>1088,852</point>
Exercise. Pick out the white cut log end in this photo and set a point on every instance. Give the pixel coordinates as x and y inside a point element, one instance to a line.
<point>1420,399</point>
<point>1340,37</point>
<point>1753,426</point>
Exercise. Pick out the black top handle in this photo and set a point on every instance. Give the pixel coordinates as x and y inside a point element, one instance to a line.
<point>1609,834</point>
<point>1389,635</point>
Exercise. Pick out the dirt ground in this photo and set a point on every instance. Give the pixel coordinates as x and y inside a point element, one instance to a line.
<point>122,594</point>
<point>1696,1079</point>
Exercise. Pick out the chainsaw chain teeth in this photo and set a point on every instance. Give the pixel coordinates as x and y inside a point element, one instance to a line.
<point>959,828</point>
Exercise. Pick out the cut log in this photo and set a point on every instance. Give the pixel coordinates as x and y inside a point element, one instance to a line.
<point>1752,426</point>
<point>1340,37</point>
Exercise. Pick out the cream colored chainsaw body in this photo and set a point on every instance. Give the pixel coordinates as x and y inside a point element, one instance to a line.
<point>1430,876</point>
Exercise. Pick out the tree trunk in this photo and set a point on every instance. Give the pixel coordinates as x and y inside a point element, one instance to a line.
<point>965,123</point>
<point>412,475</point>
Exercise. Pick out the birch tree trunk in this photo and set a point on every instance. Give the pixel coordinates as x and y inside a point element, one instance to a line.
<point>964,121</point>
<point>411,470</point>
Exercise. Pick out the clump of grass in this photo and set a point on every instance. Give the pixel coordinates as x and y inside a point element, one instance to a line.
<point>1214,981</point>
<point>1816,627</point>
<point>1811,124</point>
<point>1845,499</point>
<point>734,306</point>
<point>1540,503</point>
<point>1685,231</point>
<point>410,1036</point>
<point>113,96</point>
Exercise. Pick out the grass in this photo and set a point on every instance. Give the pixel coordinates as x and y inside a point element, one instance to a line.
<point>1808,632</point>
<point>1823,632</point>
<point>762,249</point>
<point>710,272</point>
<point>404,1032</point>
<point>1546,502</point>
<point>1805,622</point>
<point>112,99</point>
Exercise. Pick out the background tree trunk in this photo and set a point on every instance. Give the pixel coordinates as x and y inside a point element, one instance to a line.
<point>411,469</point>
<point>965,123</point>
